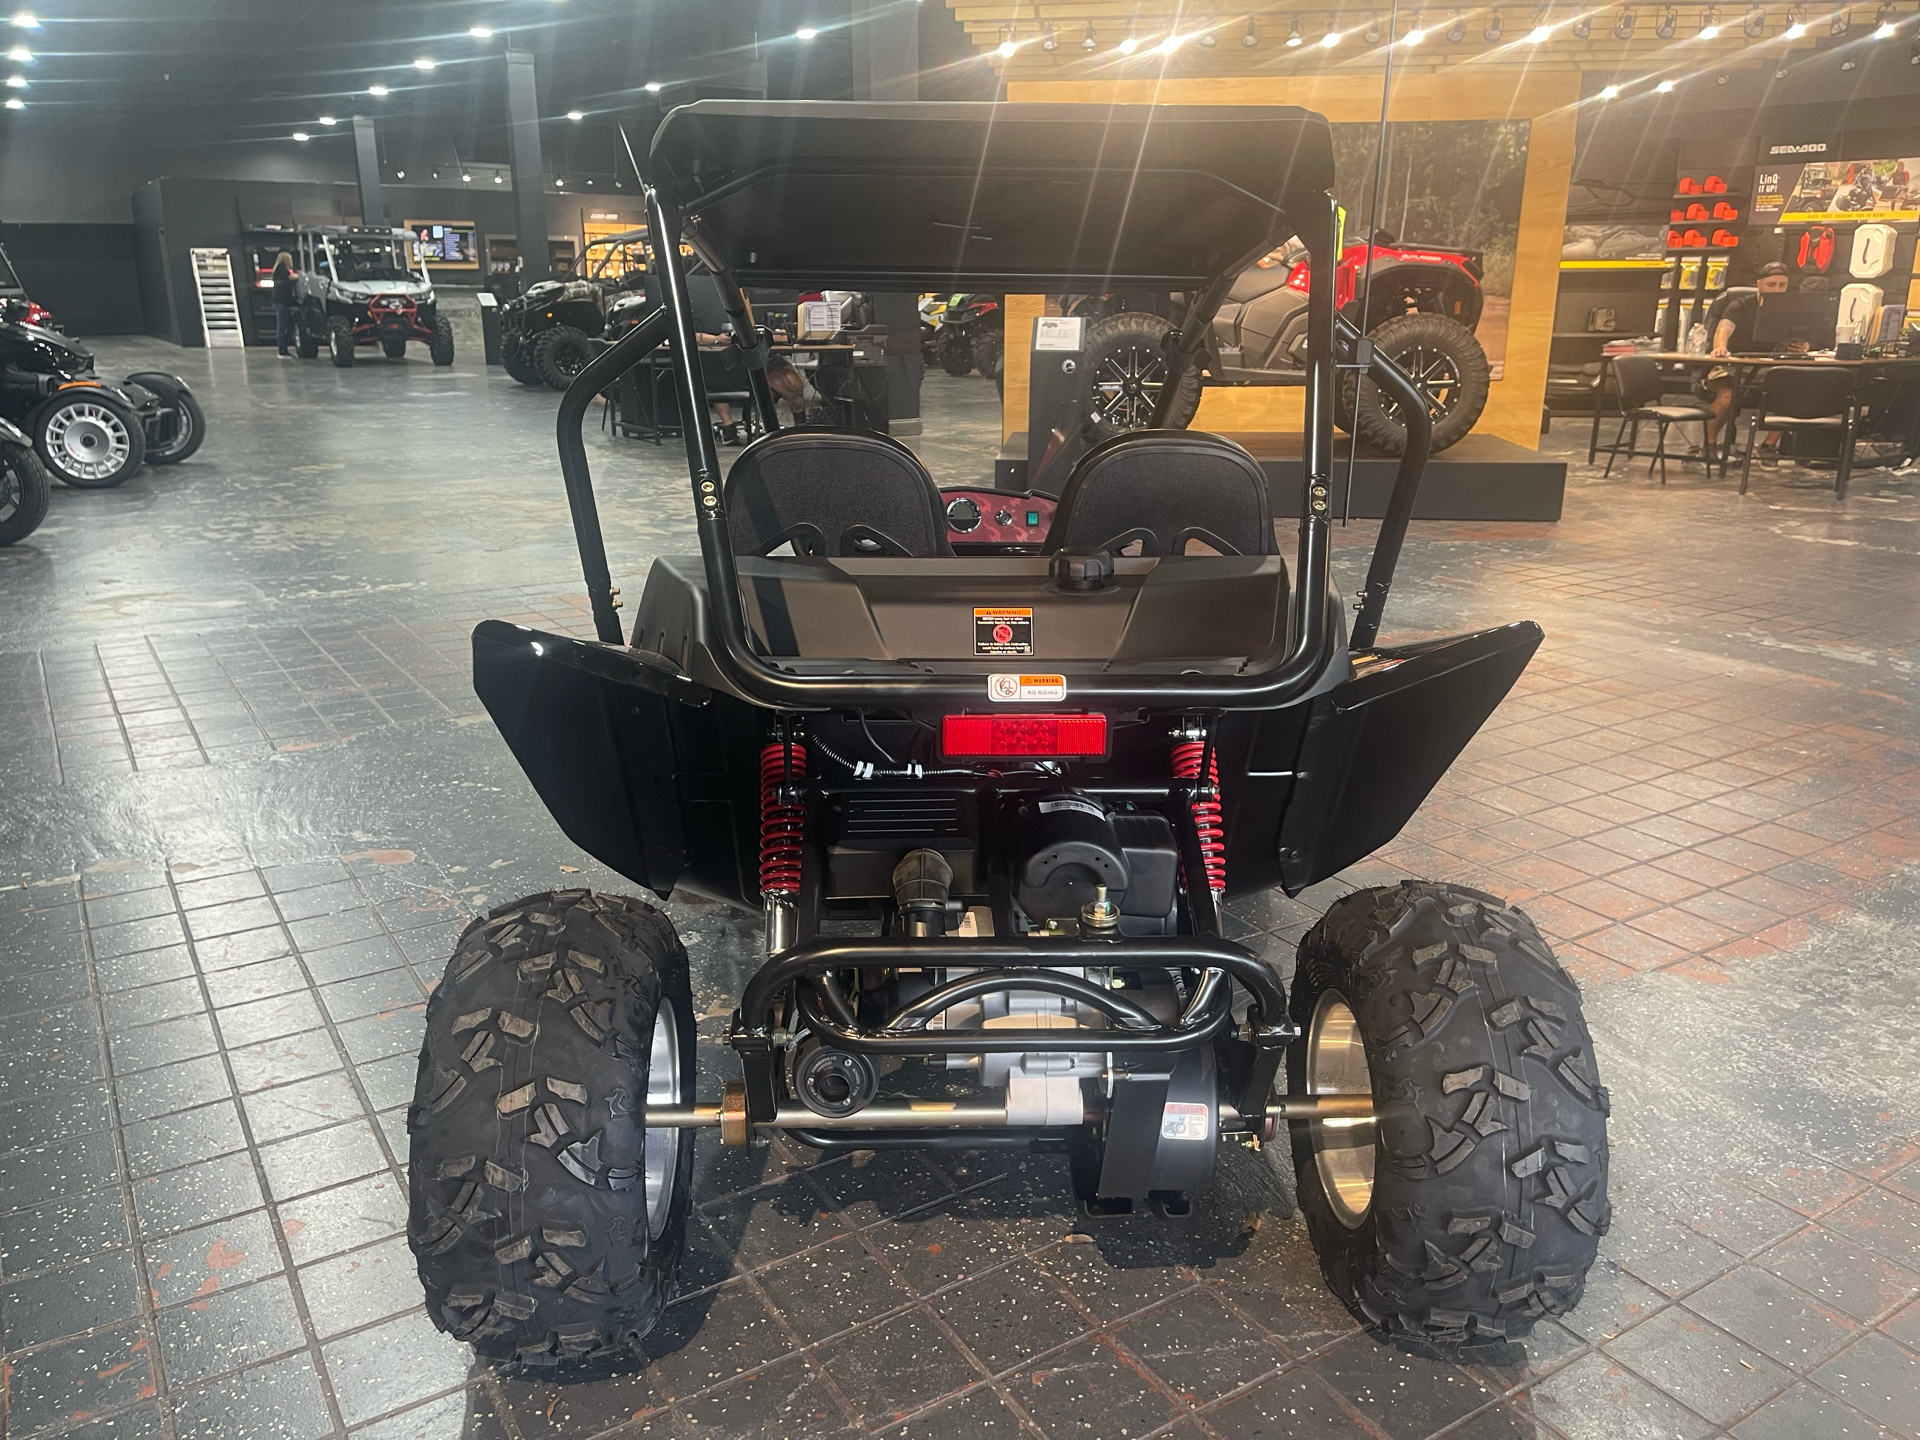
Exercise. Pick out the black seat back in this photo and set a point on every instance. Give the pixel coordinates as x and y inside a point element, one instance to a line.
<point>1640,381</point>
<point>833,492</point>
<point>1166,489</point>
<point>1808,392</point>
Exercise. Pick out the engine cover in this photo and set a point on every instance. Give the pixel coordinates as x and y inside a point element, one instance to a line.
<point>1071,843</point>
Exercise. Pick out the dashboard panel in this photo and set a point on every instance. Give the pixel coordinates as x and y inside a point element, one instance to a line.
<point>997,517</point>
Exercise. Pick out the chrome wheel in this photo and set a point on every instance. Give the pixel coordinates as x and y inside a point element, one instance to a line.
<point>1127,388</point>
<point>662,1145</point>
<point>88,440</point>
<point>1343,1150</point>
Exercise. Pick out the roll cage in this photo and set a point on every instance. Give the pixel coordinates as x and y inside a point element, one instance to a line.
<point>1005,197</point>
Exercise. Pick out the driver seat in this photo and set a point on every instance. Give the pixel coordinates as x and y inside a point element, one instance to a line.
<point>1165,489</point>
<point>828,491</point>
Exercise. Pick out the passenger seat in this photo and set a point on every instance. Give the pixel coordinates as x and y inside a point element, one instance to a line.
<point>827,491</point>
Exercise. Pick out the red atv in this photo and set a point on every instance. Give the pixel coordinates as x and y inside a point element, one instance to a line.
<point>1420,307</point>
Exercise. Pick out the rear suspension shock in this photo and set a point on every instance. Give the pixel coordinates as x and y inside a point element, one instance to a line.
<point>783,817</point>
<point>1188,756</point>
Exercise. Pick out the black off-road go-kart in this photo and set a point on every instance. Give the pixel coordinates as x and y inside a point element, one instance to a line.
<point>89,432</point>
<point>991,801</point>
<point>548,335</point>
<point>1419,305</point>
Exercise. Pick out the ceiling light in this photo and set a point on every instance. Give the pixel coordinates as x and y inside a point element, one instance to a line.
<point>1089,44</point>
<point>1610,92</point>
<point>1496,26</point>
<point>14,102</point>
<point>1008,48</point>
<point>1372,37</point>
<point>302,136</point>
<point>1722,78</point>
<point>1456,27</point>
<point>1332,37</point>
<point>652,87</point>
<point>560,184</point>
<point>468,179</point>
<point>1582,26</point>
<point>399,174</point>
<point>1049,41</point>
<point>1883,30</point>
<point>1665,87</point>
<point>25,20</point>
<point>480,32</point>
<point>379,92</point>
<point>1172,43</point>
<point>425,62</point>
<point>1669,18</point>
<point>1208,40</point>
<point>1796,23</point>
<point>1128,44</point>
<point>1294,37</point>
<point>1416,32</point>
<point>1710,24</point>
<point>20,55</point>
<point>1846,65</point>
<point>1542,27</point>
<point>1754,23</point>
<point>498,178</point>
<point>576,116</point>
<point>328,120</point>
<point>1623,27</point>
<point>1841,23</point>
<point>16,82</point>
<point>805,32</point>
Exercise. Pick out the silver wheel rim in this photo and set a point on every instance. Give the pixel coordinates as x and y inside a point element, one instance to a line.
<point>662,1145</point>
<point>1343,1150</point>
<point>88,440</point>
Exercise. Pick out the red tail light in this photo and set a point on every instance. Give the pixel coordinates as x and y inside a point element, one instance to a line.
<point>1300,278</point>
<point>988,735</point>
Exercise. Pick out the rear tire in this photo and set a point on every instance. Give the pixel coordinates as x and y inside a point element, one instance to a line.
<point>395,349</point>
<point>25,492</point>
<point>548,1222</point>
<point>340,342</point>
<point>1444,358</point>
<point>1479,1205</point>
<point>517,360</point>
<point>955,352</point>
<point>1126,359</point>
<point>189,430</point>
<point>560,354</point>
<point>440,348</point>
<point>306,344</point>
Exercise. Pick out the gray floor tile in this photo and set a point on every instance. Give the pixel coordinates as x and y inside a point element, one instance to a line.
<point>1297,1403</point>
<point>1786,1324</point>
<point>1845,1275</point>
<point>713,1338</point>
<point>1090,1389</point>
<point>1010,1315</point>
<point>149,967</point>
<point>321,1159</point>
<point>194,1264</point>
<point>300,1106</point>
<point>261,980</point>
<point>361,1287</point>
<point>398,1363</point>
<point>1878,1376</point>
<point>195,1195</point>
<point>162,1044</point>
<point>65,1230</point>
<point>186,1138</point>
<point>283,1061</point>
<point>1806,1413</point>
<point>281,1400</point>
<point>1703,1367</point>
<point>1199,1348</point>
<point>90,1375</point>
<point>1401,1395</point>
<point>88,1295</point>
<point>69,1166</point>
<point>326,1223</point>
<point>228,1329</point>
<point>167,1088</point>
<point>258,1020</point>
<point>1596,1398</point>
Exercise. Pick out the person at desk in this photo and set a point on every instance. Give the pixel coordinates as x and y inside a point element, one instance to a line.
<point>1734,336</point>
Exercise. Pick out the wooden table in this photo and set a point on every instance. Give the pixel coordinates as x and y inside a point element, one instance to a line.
<point>1743,367</point>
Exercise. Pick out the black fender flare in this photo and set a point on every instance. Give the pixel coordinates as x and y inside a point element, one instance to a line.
<point>163,384</point>
<point>11,434</point>
<point>1453,283</point>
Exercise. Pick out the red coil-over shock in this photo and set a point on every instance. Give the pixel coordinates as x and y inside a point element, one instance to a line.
<point>1207,819</point>
<point>783,819</point>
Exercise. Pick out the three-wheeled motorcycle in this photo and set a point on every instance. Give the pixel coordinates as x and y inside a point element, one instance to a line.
<point>992,800</point>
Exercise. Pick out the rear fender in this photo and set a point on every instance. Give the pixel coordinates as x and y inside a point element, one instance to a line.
<point>161,383</point>
<point>1376,745</point>
<point>11,434</point>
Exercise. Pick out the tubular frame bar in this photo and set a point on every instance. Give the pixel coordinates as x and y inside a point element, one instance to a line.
<point>1281,675</point>
<point>1162,1038</point>
<point>913,1019</point>
<point>1406,486</point>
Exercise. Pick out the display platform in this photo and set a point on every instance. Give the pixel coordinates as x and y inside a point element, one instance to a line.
<point>1481,478</point>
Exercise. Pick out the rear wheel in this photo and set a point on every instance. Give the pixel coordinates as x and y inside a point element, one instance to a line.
<point>548,1221</point>
<point>1474,1204</point>
<point>516,358</point>
<point>1439,355</point>
<point>1126,357</point>
<point>340,341</point>
<point>560,354</point>
<point>24,493</point>
<point>306,344</point>
<point>440,348</point>
<point>178,430</point>
<point>88,442</point>
<point>955,352</point>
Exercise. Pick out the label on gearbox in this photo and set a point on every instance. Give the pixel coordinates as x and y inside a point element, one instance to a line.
<point>999,631</point>
<point>1014,688</point>
<point>1183,1122</point>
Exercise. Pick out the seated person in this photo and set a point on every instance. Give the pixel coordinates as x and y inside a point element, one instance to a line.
<point>1734,336</point>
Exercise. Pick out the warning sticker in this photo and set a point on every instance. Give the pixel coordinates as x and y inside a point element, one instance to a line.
<point>1003,632</point>
<point>1183,1122</point>
<point>1003,688</point>
<point>1074,803</point>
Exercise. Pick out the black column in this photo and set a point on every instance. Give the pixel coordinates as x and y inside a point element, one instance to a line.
<point>529,176</point>
<point>366,162</point>
<point>886,64</point>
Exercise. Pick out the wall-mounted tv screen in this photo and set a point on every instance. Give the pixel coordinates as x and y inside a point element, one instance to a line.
<point>447,244</point>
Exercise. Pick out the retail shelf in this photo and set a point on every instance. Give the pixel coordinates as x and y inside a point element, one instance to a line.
<point>1613,264</point>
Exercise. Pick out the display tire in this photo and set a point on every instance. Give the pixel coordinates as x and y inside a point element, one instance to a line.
<point>516,359</point>
<point>530,1109</point>
<point>955,353</point>
<point>340,342</point>
<point>1441,355</point>
<point>25,493</point>
<point>1489,1158</point>
<point>560,354</point>
<point>440,348</point>
<point>193,427</point>
<point>306,344</point>
<point>52,442</point>
<point>988,349</point>
<point>1123,355</point>
<point>394,349</point>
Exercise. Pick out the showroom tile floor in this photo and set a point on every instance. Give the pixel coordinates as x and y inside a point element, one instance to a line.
<point>249,799</point>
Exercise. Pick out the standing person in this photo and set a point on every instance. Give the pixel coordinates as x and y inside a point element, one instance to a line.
<point>283,301</point>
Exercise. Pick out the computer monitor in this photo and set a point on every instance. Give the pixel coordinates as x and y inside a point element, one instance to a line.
<point>1786,320</point>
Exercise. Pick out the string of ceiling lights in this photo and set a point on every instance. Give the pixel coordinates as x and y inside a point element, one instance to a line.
<point>1750,21</point>
<point>20,56</point>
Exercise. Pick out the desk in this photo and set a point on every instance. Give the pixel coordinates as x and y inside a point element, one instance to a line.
<point>1744,368</point>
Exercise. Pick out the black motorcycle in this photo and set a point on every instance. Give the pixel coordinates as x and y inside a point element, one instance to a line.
<point>23,486</point>
<point>89,432</point>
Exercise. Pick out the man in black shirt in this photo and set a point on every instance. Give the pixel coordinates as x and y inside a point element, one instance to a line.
<point>1734,336</point>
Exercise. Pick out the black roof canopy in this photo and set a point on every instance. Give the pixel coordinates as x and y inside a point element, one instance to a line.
<point>833,195</point>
